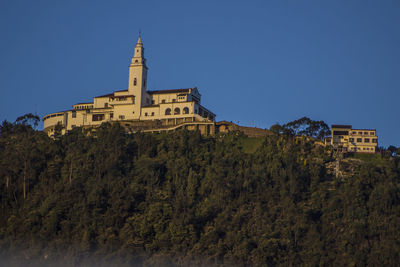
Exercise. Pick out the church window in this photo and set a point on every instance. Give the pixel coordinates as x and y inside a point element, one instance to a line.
<point>74,114</point>
<point>134,81</point>
<point>168,111</point>
<point>145,114</point>
<point>136,61</point>
<point>177,111</point>
<point>163,101</point>
<point>106,105</point>
<point>185,110</point>
<point>111,115</point>
<point>152,114</point>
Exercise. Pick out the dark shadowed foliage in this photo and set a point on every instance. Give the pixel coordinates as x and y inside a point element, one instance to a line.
<point>181,199</point>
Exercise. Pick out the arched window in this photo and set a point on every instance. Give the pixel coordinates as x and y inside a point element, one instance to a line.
<point>185,110</point>
<point>177,111</point>
<point>134,81</point>
<point>168,111</point>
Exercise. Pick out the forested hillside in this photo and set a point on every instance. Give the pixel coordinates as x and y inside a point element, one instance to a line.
<point>109,198</point>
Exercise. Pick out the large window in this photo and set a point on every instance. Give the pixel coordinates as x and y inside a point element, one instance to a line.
<point>168,111</point>
<point>98,117</point>
<point>185,110</point>
<point>177,111</point>
<point>366,140</point>
<point>359,140</point>
<point>374,140</point>
<point>340,132</point>
<point>351,140</point>
<point>74,114</point>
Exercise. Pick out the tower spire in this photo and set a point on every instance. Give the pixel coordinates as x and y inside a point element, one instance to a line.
<point>139,42</point>
<point>138,77</point>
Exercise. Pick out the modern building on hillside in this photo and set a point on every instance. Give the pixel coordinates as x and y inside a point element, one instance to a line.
<point>137,108</point>
<point>346,139</point>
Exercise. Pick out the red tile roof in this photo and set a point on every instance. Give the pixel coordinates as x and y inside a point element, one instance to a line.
<point>170,91</point>
<point>107,95</point>
<point>116,96</point>
<point>83,103</point>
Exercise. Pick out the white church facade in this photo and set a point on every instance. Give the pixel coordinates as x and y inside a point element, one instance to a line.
<point>137,108</point>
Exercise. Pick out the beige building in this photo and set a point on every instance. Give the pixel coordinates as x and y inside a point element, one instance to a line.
<point>137,108</point>
<point>346,139</point>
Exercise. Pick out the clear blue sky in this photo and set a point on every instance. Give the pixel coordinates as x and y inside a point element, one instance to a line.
<point>256,62</point>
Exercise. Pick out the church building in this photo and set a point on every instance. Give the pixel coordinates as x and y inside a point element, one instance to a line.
<point>138,109</point>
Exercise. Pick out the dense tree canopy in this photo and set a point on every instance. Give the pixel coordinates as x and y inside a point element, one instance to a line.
<point>303,127</point>
<point>184,199</point>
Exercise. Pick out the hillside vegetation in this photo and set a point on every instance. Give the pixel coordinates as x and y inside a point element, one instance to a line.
<point>182,199</point>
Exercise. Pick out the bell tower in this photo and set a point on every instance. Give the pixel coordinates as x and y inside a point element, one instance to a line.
<point>138,76</point>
